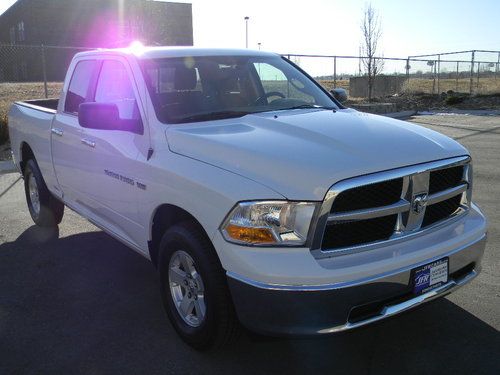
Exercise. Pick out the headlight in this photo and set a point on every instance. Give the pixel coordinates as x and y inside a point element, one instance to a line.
<point>269,223</point>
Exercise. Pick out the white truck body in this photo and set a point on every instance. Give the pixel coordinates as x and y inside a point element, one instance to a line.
<point>119,181</point>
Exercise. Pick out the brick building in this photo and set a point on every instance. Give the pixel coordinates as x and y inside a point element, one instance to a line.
<point>83,23</point>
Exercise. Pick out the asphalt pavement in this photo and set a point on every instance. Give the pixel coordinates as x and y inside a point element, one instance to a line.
<point>74,300</point>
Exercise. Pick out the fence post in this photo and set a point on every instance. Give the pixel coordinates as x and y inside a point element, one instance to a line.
<point>456,81</point>
<point>407,75</point>
<point>477,83</point>
<point>44,71</point>
<point>334,72</point>
<point>498,66</point>
<point>359,62</point>
<point>434,77</point>
<point>438,72</point>
<point>471,73</point>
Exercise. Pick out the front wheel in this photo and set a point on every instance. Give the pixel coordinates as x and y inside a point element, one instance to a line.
<point>194,289</point>
<point>44,208</point>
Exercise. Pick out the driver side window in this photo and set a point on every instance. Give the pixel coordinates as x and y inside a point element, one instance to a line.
<point>114,86</point>
<point>273,80</point>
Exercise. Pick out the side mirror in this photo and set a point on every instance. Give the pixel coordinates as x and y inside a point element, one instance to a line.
<point>106,116</point>
<point>339,94</point>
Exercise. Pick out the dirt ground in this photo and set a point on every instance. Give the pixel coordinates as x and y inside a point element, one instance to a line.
<point>425,102</point>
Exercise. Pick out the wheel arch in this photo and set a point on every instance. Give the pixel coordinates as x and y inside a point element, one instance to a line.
<point>164,217</point>
<point>26,153</point>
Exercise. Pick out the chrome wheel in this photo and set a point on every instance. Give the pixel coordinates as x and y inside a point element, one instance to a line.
<point>33,194</point>
<point>186,288</point>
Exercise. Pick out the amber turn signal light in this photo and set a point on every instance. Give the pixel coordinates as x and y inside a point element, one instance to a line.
<point>250,235</point>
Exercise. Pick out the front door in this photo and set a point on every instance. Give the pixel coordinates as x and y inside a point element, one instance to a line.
<point>114,157</point>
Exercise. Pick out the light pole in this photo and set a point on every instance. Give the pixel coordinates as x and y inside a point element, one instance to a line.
<point>259,45</point>
<point>246,31</point>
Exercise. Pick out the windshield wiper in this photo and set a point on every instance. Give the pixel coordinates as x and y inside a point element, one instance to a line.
<point>216,115</point>
<point>305,106</point>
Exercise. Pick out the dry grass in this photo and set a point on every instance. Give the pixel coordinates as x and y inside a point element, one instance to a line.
<point>423,85</point>
<point>484,86</point>
<point>328,84</point>
<point>14,91</point>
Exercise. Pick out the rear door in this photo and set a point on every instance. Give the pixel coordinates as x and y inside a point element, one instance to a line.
<point>66,138</point>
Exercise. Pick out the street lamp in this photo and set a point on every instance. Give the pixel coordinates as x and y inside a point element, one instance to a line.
<point>246,30</point>
<point>259,45</point>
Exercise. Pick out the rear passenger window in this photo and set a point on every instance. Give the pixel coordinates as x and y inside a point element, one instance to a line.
<point>79,85</point>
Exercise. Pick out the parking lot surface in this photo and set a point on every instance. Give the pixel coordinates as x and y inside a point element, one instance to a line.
<point>77,301</point>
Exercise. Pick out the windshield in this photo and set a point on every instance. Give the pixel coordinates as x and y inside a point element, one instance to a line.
<point>204,88</point>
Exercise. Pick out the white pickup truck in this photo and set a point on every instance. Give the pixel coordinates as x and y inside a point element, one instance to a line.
<point>258,197</point>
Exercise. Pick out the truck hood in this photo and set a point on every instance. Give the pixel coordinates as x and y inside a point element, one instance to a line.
<point>302,153</point>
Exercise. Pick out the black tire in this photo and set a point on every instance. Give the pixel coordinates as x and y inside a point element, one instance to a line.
<point>220,325</point>
<point>51,210</point>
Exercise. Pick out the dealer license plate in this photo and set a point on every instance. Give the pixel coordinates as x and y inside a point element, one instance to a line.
<point>430,276</point>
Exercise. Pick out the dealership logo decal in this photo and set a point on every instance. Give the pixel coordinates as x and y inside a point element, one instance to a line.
<point>422,279</point>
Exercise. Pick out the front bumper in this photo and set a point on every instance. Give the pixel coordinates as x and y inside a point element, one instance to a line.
<point>309,310</point>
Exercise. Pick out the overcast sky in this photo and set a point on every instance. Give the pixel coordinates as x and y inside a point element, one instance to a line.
<point>410,27</point>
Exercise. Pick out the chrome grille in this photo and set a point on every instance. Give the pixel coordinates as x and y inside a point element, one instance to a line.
<point>364,212</point>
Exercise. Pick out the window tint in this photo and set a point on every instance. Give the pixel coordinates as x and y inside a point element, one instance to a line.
<point>79,85</point>
<point>114,86</point>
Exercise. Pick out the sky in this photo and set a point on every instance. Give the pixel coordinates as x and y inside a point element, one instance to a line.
<point>332,27</point>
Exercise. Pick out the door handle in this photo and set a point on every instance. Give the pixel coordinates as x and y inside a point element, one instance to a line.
<point>88,142</point>
<point>57,131</point>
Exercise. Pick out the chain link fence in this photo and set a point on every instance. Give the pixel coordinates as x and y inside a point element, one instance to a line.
<point>28,72</point>
<point>469,72</point>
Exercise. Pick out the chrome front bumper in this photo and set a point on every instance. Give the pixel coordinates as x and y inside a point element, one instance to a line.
<point>295,311</point>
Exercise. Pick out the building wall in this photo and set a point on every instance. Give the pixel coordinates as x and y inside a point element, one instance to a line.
<point>82,23</point>
<point>97,23</point>
<point>382,86</point>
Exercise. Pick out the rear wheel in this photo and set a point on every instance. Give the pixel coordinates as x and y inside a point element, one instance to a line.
<point>194,289</point>
<point>44,208</point>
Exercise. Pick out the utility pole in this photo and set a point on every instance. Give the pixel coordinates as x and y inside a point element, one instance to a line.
<point>246,31</point>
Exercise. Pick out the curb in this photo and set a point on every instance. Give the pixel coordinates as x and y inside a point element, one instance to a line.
<point>473,112</point>
<point>7,166</point>
<point>400,115</point>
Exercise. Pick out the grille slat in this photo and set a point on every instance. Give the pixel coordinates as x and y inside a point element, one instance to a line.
<point>443,179</point>
<point>343,234</point>
<point>369,196</point>
<point>440,211</point>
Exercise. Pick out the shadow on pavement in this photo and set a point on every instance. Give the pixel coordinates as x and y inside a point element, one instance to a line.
<point>87,304</point>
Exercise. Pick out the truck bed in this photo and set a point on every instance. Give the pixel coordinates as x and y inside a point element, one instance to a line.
<point>46,105</point>
<point>30,123</point>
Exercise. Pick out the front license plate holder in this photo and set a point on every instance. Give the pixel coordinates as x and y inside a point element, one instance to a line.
<point>430,276</point>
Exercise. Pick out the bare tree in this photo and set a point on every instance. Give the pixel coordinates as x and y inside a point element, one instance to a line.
<point>371,34</point>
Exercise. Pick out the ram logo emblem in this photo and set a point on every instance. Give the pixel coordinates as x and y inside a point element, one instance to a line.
<point>419,203</point>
